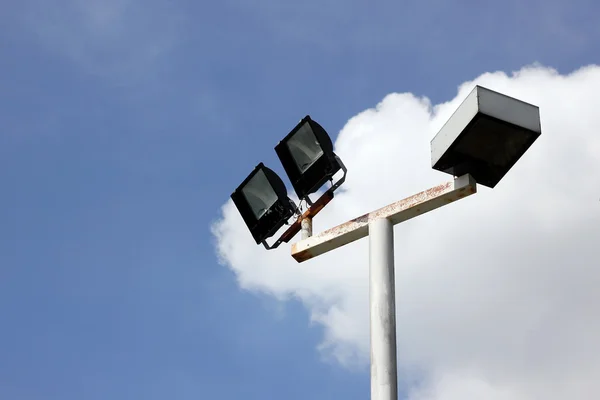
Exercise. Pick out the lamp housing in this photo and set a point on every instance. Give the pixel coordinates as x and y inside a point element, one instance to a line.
<point>486,136</point>
<point>307,156</point>
<point>263,202</point>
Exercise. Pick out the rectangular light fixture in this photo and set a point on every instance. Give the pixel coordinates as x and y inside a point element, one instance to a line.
<point>485,136</point>
<point>263,203</point>
<point>307,156</point>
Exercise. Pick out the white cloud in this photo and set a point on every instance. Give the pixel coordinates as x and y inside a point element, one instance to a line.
<point>497,294</point>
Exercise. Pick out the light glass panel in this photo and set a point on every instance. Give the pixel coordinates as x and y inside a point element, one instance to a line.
<point>304,147</point>
<point>260,194</point>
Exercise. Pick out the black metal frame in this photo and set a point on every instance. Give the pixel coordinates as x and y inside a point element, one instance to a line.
<point>315,208</point>
<point>277,215</point>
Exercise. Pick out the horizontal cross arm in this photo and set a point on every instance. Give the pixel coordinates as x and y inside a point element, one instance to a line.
<point>397,212</point>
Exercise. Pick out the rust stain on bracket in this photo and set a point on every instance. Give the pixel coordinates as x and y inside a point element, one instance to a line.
<point>316,207</point>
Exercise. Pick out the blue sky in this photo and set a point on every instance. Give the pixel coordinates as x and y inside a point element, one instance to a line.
<point>125,125</point>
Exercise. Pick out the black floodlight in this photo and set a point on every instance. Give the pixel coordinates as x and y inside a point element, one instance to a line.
<point>263,202</point>
<point>485,136</point>
<point>308,158</point>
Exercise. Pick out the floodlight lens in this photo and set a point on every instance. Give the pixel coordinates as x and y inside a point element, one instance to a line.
<point>304,148</point>
<point>260,194</point>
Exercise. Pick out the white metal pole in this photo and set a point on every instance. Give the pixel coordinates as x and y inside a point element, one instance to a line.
<point>306,228</point>
<point>382,299</point>
<point>378,225</point>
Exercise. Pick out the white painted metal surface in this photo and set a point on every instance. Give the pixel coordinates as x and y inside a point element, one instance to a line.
<point>488,102</point>
<point>397,212</point>
<point>382,299</point>
<point>509,109</point>
<point>306,228</point>
<point>454,126</point>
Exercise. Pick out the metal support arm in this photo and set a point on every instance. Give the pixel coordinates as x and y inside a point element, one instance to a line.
<point>397,212</point>
<point>309,214</point>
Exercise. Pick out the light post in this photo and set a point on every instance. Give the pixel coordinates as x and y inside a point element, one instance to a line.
<point>480,143</point>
